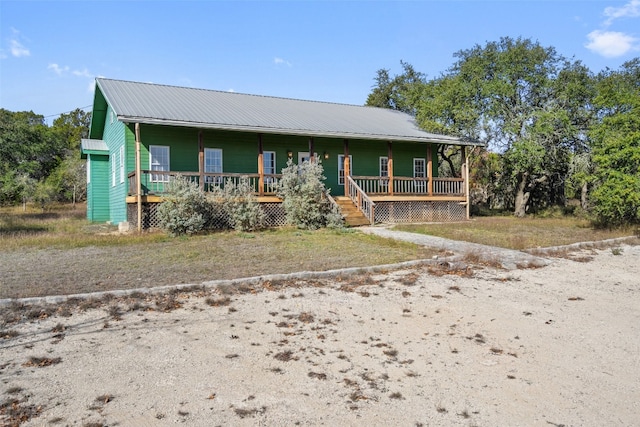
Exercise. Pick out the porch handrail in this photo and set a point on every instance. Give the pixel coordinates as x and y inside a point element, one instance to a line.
<point>445,186</point>
<point>362,201</point>
<point>154,181</point>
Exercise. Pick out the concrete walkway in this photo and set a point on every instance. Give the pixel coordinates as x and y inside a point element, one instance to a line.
<point>507,258</point>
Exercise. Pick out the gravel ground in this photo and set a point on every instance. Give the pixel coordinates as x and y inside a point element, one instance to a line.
<point>557,345</point>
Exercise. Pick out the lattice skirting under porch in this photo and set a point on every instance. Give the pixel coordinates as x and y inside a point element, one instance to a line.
<point>419,211</point>
<point>274,213</point>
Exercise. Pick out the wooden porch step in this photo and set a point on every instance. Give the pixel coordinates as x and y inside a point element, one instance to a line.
<point>352,216</point>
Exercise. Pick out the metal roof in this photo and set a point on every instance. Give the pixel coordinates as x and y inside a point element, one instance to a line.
<point>93,145</point>
<point>182,106</point>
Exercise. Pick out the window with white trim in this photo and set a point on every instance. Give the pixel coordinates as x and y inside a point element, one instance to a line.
<point>269,162</point>
<point>213,164</point>
<point>384,166</point>
<point>419,168</point>
<point>419,171</point>
<point>341,167</point>
<point>269,165</point>
<point>159,161</point>
<point>122,161</point>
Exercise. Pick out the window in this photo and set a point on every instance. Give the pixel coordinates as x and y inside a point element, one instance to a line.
<point>269,166</point>
<point>159,161</point>
<point>341,167</point>
<point>419,171</point>
<point>384,166</point>
<point>122,160</point>
<point>213,164</point>
<point>114,159</point>
<point>269,162</point>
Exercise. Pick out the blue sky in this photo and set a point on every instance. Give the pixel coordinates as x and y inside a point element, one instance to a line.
<point>51,51</point>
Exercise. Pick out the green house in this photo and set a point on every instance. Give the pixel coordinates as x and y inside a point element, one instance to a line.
<point>380,167</point>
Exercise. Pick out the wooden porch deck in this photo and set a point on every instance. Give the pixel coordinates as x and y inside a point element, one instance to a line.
<point>377,199</point>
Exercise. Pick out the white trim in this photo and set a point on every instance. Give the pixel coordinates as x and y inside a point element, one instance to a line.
<point>160,178</point>
<point>122,164</point>
<point>341,167</point>
<point>207,153</point>
<point>424,167</point>
<point>303,154</point>
<point>264,164</point>
<point>420,186</point>
<point>386,165</point>
<point>113,159</point>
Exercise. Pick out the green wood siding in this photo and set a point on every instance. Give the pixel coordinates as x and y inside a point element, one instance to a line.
<point>240,151</point>
<point>97,188</point>
<point>114,137</point>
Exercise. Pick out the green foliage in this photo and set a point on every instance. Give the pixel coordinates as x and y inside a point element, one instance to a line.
<point>521,99</point>
<point>303,192</point>
<point>185,209</point>
<point>31,151</point>
<point>616,147</point>
<point>617,200</point>
<point>241,206</point>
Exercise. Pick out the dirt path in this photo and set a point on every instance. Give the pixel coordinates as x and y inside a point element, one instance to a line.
<point>557,345</point>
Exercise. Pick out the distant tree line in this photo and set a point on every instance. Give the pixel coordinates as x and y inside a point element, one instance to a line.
<point>553,130</point>
<point>41,163</point>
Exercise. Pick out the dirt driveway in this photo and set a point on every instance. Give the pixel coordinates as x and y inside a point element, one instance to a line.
<point>558,345</point>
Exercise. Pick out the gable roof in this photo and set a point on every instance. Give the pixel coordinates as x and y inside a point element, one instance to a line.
<point>180,106</point>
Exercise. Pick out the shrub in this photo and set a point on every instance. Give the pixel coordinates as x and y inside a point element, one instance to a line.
<point>241,207</point>
<point>185,209</point>
<point>304,196</point>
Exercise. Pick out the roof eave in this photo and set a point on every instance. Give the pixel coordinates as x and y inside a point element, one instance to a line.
<point>298,132</point>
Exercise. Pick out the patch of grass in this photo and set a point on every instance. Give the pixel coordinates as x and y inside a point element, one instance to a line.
<point>73,256</point>
<point>285,356</point>
<point>317,375</point>
<point>306,317</point>
<point>41,362</point>
<point>218,302</point>
<point>249,412</point>
<point>519,233</point>
<point>16,411</point>
<point>8,333</point>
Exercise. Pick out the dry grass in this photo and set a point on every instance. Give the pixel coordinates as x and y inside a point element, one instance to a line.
<point>58,252</point>
<point>520,233</point>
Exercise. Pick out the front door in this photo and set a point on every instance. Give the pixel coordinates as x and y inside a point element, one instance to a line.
<point>303,156</point>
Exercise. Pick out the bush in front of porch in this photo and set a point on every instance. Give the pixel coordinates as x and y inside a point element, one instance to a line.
<point>304,196</point>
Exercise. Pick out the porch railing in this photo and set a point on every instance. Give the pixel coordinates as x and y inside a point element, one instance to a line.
<point>360,198</point>
<point>157,182</point>
<point>379,185</point>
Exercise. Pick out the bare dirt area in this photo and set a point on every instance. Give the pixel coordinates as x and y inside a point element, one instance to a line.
<point>558,346</point>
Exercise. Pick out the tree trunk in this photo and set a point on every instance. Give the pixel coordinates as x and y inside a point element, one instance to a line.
<point>522,196</point>
<point>583,195</point>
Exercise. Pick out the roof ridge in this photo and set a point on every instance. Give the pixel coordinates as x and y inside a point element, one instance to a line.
<point>243,93</point>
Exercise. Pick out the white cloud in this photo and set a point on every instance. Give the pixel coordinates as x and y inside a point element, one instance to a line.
<point>280,61</point>
<point>629,10</point>
<point>16,47</point>
<point>82,73</point>
<point>57,69</point>
<point>611,44</point>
